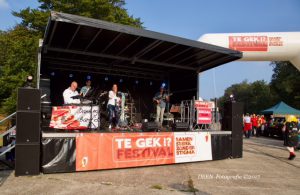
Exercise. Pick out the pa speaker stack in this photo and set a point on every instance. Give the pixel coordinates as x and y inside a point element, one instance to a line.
<point>28,132</point>
<point>233,121</point>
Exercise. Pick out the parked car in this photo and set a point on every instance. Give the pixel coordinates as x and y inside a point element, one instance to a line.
<point>274,127</point>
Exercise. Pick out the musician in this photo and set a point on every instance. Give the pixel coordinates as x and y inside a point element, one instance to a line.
<point>161,99</point>
<point>84,90</point>
<point>69,93</point>
<point>112,106</point>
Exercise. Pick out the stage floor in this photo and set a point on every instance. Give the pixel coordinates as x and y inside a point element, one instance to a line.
<point>50,132</point>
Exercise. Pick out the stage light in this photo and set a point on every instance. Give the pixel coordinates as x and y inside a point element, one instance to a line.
<point>71,75</point>
<point>136,82</point>
<point>163,85</point>
<point>121,81</point>
<point>29,80</point>
<point>231,98</point>
<point>52,73</point>
<point>88,77</point>
<point>106,78</point>
<point>150,83</point>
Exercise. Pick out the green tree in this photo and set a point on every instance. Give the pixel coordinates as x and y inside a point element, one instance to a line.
<point>256,96</point>
<point>18,46</point>
<point>286,83</point>
<point>18,53</point>
<point>108,10</point>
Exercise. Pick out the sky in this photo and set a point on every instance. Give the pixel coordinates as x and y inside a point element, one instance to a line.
<point>193,18</point>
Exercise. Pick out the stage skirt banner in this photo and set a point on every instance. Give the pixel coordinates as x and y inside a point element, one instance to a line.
<point>75,117</point>
<point>96,151</point>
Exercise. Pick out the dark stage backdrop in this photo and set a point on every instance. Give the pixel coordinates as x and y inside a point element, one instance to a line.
<point>183,86</point>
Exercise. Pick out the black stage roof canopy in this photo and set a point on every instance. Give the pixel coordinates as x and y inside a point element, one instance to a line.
<point>75,43</point>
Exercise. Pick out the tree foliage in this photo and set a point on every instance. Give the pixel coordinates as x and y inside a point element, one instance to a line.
<point>19,45</point>
<point>256,96</point>
<point>109,10</point>
<point>259,95</point>
<point>18,53</point>
<point>286,83</point>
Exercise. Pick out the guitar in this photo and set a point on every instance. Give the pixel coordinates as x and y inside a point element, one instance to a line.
<point>157,100</point>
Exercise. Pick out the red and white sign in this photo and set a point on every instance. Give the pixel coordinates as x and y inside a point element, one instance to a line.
<point>254,43</point>
<point>96,151</point>
<point>204,116</point>
<point>204,109</point>
<point>248,43</point>
<point>204,104</point>
<point>74,117</point>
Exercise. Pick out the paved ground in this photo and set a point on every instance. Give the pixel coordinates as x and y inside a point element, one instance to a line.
<point>264,169</point>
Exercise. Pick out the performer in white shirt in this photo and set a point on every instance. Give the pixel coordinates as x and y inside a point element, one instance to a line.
<point>69,93</point>
<point>112,106</point>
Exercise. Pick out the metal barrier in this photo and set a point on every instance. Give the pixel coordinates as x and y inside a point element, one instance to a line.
<point>12,133</point>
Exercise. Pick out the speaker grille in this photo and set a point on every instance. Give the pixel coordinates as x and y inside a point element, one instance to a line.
<point>28,127</point>
<point>29,99</point>
<point>27,159</point>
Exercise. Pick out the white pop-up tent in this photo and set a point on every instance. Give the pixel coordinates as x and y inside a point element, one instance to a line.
<point>264,46</point>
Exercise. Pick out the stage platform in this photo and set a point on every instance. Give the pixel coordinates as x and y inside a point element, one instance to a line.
<point>65,151</point>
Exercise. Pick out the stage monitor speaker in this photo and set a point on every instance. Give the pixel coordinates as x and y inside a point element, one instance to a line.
<point>150,126</point>
<point>237,147</point>
<point>27,159</point>
<point>28,127</point>
<point>29,99</point>
<point>180,126</point>
<point>233,118</point>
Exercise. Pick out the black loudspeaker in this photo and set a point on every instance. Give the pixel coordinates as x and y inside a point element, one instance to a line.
<point>221,146</point>
<point>233,118</point>
<point>180,126</point>
<point>27,159</point>
<point>150,126</point>
<point>237,147</point>
<point>28,132</point>
<point>233,121</point>
<point>29,99</point>
<point>28,127</point>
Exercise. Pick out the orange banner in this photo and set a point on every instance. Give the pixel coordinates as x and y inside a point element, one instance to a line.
<point>118,150</point>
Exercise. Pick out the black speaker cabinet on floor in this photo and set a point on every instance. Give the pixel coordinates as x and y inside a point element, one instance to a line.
<point>27,159</point>
<point>150,126</point>
<point>28,132</point>
<point>233,121</point>
<point>180,126</point>
<point>237,147</point>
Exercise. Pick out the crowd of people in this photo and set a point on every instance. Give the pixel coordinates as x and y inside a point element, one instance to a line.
<point>255,125</point>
